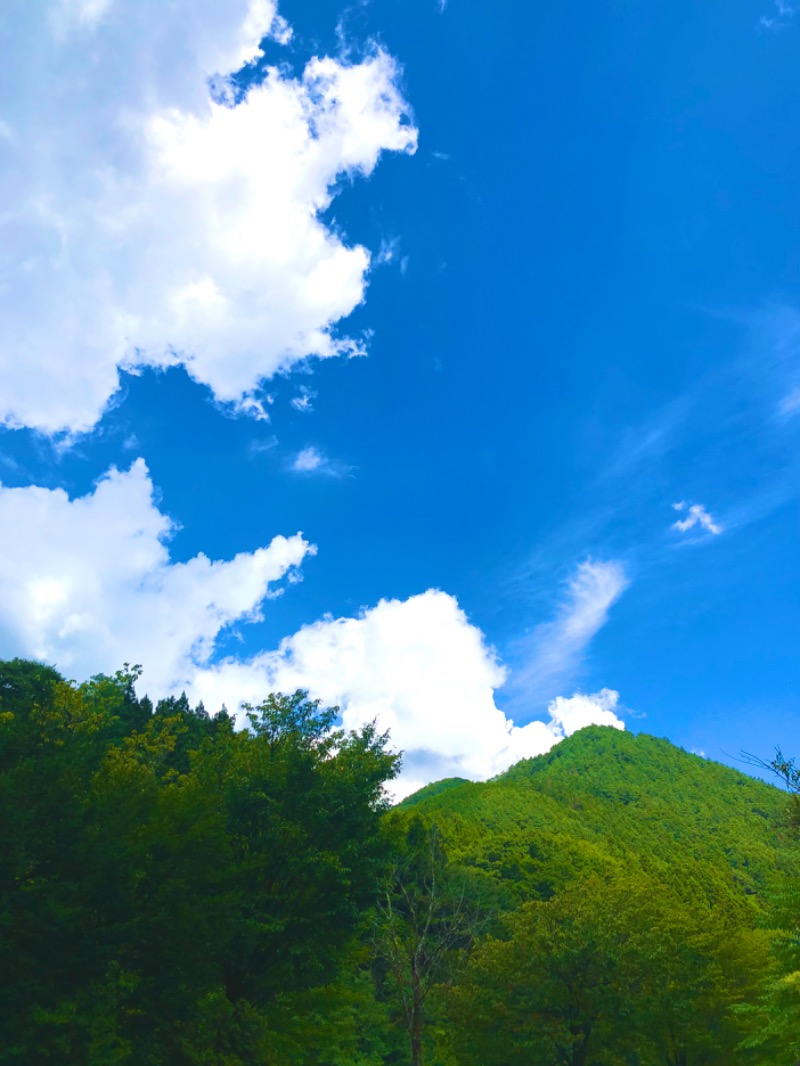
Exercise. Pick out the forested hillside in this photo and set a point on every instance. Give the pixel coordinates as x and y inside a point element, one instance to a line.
<point>634,882</point>
<point>604,797</point>
<point>174,890</point>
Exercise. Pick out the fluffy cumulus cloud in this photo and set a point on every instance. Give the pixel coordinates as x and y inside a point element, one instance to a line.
<point>311,461</point>
<point>307,460</point>
<point>88,583</point>
<point>696,516</point>
<point>576,712</point>
<point>150,217</point>
<point>424,672</point>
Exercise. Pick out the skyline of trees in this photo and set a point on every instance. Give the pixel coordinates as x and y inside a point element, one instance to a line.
<point>177,890</point>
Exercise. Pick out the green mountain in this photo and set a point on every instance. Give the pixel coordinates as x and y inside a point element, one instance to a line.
<point>433,789</point>
<point>605,796</point>
<point>631,887</point>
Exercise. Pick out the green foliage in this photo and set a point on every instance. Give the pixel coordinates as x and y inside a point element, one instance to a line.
<point>635,880</point>
<point>787,771</point>
<point>428,916</point>
<point>605,797</point>
<point>168,882</point>
<point>175,891</point>
<point>610,970</point>
<point>775,1017</point>
<point>433,790</point>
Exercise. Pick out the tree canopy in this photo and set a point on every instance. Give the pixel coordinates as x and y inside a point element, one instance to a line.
<point>180,888</point>
<point>168,879</point>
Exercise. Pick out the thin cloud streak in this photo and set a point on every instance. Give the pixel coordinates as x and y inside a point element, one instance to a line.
<point>553,654</point>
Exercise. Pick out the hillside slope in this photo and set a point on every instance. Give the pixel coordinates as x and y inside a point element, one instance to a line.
<point>604,797</point>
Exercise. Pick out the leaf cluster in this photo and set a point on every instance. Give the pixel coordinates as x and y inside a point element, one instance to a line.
<point>169,882</point>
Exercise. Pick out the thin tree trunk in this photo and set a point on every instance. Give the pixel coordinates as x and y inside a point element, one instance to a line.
<point>416,1020</point>
<point>580,1049</point>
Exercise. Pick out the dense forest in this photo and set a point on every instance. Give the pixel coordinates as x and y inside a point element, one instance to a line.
<point>176,890</point>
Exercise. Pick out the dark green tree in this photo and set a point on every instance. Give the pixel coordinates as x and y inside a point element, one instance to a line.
<point>168,883</point>
<point>612,970</point>
<point>776,1017</point>
<point>427,918</point>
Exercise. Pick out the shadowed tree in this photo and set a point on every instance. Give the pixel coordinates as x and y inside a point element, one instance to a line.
<point>167,882</point>
<point>427,919</point>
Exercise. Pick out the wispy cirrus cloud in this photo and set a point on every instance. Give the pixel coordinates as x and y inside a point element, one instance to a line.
<point>641,446</point>
<point>304,400</point>
<point>263,445</point>
<point>552,655</point>
<point>775,331</point>
<point>732,431</point>
<point>784,13</point>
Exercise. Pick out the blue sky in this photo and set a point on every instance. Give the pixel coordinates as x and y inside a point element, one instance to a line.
<point>493,300</point>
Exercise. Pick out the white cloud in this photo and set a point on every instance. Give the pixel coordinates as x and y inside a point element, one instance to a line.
<point>263,446</point>
<point>551,655</point>
<point>312,461</point>
<point>304,400</point>
<point>88,584</point>
<point>389,253</point>
<point>307,460</point>
<point>145,224</point>
<point>86,12</point>
<point>696,515</point>
<point>785,12</point>
<point>790,404</point>
<point>570,715</point>
<point>424,672</point>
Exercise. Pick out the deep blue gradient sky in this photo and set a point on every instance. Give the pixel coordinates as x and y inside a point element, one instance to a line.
<point>591,313</point>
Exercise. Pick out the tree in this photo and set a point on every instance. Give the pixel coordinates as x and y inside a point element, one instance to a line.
<point>788,773</point>
<point>611,970</point>
<point>168,884</point>
<point>778,1012</point>
<point>427,917</point>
